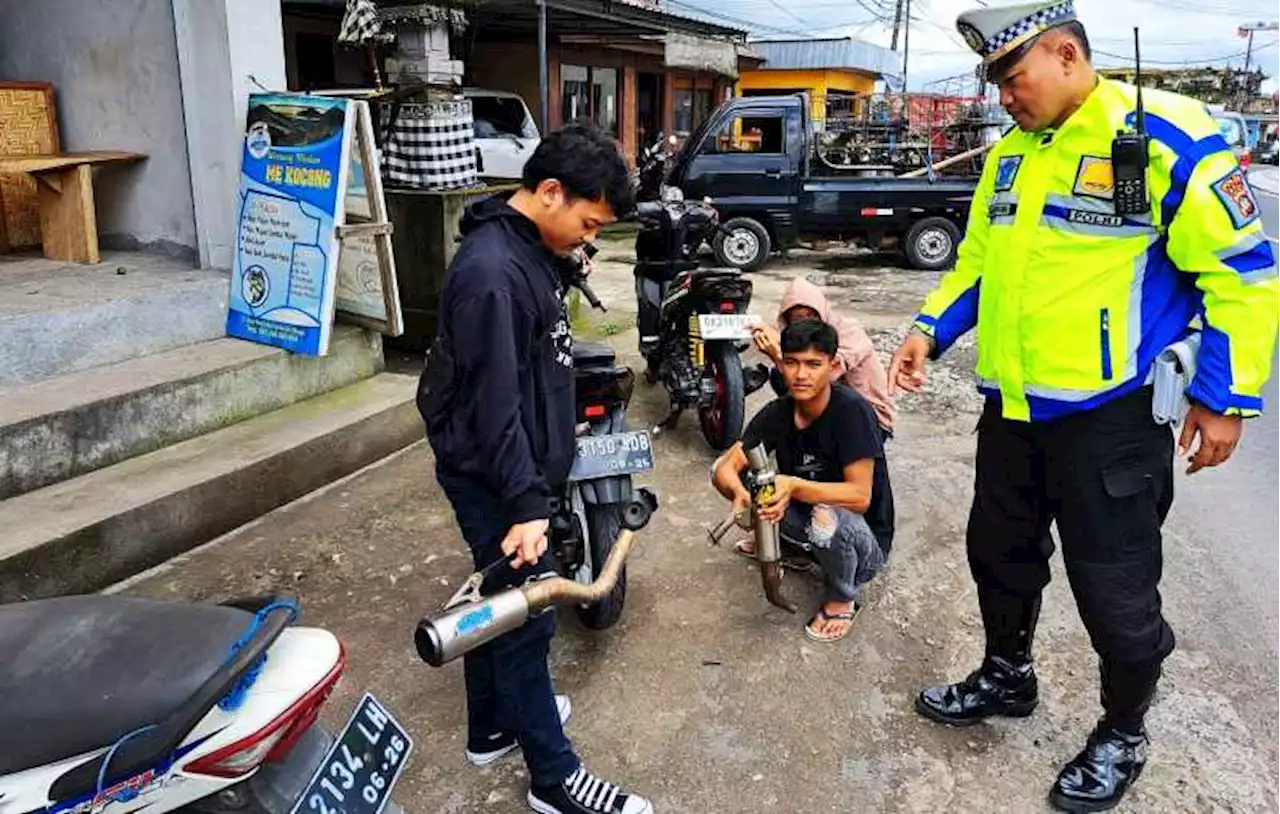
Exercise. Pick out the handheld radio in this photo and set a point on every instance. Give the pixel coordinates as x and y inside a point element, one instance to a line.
<point>1129,155</point>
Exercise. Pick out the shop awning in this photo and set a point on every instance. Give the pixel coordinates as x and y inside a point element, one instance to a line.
<point>603,18</point>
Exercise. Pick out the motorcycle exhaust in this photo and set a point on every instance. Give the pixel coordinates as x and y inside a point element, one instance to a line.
<point>460,628</point>
<point>768,540</point>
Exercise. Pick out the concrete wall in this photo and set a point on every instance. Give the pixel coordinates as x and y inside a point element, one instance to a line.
<point>114,66</point>
<point>226,49</point>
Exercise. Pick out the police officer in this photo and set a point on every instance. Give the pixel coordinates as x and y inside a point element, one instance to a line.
<point>1074,295</point>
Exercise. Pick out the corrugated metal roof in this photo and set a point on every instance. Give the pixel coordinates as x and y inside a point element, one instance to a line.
<point>844,53</point>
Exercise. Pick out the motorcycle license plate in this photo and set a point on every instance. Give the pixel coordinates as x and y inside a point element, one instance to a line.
<point>366,760</point>
<point>600,456</point>
<point>726,326</point>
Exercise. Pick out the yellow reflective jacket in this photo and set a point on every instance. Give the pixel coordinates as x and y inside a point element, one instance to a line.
<point>1073,302</point>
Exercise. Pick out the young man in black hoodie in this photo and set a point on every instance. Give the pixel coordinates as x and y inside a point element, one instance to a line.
<point>505,441</point>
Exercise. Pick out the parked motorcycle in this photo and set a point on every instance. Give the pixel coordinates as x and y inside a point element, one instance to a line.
<point>117,704</point>
<point>586,518</point>
<point>652,167</point>
<point>693,321</point>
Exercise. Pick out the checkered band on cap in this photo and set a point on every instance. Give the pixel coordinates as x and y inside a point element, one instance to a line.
<point>1003,41</point>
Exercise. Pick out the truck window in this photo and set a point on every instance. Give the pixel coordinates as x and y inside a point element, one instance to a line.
<point>748,134</point>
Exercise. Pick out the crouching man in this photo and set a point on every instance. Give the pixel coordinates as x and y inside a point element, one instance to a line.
<point>828,443</point>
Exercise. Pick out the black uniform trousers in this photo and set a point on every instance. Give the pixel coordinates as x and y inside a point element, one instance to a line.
<point>1106,477</point>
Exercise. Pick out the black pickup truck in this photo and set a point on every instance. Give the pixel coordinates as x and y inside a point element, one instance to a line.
<point>754,158</point>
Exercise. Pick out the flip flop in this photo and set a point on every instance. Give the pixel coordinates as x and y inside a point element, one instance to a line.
<point>830,617</point>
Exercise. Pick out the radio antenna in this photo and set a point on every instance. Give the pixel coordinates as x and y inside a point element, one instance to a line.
<point>1137,81</point>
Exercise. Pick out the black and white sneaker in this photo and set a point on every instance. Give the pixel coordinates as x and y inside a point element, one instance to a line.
<point>504,743</point>
<point>584,793</point>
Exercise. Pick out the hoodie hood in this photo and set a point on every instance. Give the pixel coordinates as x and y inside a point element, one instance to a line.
<point>496,209</point>
<point>802,292</point>
<point>858,364</point>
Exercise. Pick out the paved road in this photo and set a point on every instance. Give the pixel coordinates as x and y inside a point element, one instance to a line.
<point>1234,515</point>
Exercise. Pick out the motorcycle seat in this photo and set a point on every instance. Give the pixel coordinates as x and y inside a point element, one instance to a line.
<point>82,671</point>
<point>709,274</point>
<point>592,354</point>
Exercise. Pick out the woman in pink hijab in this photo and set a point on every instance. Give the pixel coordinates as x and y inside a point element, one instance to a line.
<point>856,361</point>
<point>856,366</point>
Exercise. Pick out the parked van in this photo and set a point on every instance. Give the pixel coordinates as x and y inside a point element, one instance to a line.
<point>505,133</point>
<point>1233,128</point>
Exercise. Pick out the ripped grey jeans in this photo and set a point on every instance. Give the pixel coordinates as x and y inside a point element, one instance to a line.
<point>842,543</point>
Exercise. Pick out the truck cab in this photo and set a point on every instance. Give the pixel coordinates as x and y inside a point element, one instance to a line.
<point>754,158</point>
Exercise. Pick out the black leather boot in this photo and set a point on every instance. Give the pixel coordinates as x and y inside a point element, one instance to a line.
<point>1005,684</point>
<point>1117,750</point>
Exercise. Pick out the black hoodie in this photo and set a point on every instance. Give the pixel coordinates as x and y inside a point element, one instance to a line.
<point>511,423</point>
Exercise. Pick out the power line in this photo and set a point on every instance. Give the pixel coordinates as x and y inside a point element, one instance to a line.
<point>1186,62</point>
<point>787,12</point>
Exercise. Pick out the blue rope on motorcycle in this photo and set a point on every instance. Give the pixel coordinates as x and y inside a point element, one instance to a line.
<point>236,695</point>
<point>229,702</point>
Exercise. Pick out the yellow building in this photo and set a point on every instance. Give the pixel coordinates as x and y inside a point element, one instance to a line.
<point>832,71</point>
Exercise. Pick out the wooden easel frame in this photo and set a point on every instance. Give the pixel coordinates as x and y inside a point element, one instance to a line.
<point>378,225</point>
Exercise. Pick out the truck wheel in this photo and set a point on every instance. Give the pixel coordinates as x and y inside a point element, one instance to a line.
<point>931,244</point>
<point>604,524</point>
<point>744,244</point>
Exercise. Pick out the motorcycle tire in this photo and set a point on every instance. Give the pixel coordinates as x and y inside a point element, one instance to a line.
<point>604,524</point>
<point>722,422</point>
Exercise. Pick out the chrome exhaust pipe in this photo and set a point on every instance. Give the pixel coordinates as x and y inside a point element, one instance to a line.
<point>768,540</point>
<point>475,621</point>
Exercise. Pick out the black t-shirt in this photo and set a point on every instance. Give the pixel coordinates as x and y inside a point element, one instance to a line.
<point>846,432</point>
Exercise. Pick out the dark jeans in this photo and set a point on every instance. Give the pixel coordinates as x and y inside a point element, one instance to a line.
<point>842,543</point>
<point>1106,477</point>
<point>508,680</point>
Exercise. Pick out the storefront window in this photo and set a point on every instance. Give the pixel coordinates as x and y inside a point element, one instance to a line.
<point>575,93</point>
<point>604,98</point>
<point>703,103</point>
<point>683,100</point>
<point>590,93</point>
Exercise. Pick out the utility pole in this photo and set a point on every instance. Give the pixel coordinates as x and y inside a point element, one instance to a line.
<point>906,43</point>
<point>897,24</point>
<point>1251,28</point>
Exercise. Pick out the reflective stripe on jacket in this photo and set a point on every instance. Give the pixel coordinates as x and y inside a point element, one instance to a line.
<point>1073,302</point>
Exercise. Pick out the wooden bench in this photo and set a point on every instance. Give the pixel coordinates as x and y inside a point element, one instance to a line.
<point>68,222</point>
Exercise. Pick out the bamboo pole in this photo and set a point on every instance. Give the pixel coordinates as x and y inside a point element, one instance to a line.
<point>955,159</point>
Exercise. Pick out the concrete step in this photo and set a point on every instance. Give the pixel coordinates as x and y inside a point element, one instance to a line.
<point>88,532</point>
<point>56,317</point>
<point>59,428</point>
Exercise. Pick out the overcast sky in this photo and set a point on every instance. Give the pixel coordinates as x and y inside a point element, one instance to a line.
<point>1172,30</point>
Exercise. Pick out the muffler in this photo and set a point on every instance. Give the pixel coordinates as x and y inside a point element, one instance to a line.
<point>768,540</point>
<point>469,620</point>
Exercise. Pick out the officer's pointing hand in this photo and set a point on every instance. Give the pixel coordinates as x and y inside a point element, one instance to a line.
<point>1219,435</point>
<point>907,368</point>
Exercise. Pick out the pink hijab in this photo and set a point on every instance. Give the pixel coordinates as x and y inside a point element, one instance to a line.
<point>856,360</point>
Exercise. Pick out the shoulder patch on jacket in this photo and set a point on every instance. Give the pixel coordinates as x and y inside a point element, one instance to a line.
<point>1234,192</point>
<point>1007,171</point>
<point>1094,178</point>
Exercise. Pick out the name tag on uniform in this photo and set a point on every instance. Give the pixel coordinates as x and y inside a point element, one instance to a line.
<point>1094,218</point>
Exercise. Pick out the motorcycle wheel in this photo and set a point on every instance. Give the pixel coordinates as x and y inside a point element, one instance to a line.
<point>722,421</point>
<point>604,524</point>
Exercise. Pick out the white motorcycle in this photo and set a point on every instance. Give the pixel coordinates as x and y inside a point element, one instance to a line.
<point>115,704</point>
